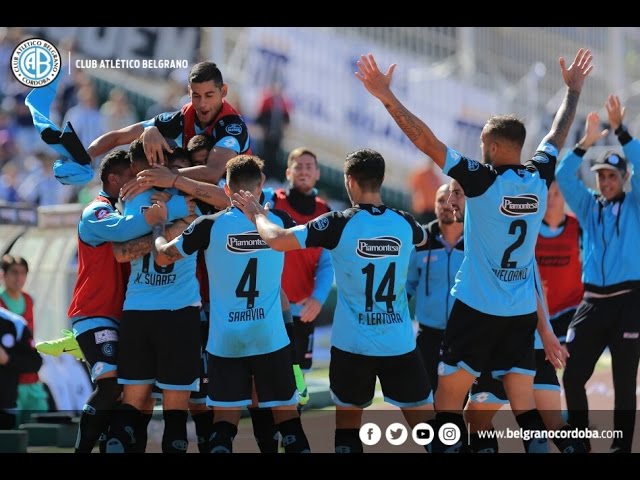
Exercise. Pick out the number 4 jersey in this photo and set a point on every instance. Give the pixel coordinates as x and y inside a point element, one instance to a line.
<point>370,247</point>
<point>244,282</point>
<point>504,210</point>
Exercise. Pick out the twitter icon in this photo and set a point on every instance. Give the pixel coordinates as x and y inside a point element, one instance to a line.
<point>396,434</point>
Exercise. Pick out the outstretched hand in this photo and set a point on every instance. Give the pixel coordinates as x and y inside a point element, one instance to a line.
<point>376,83</point>
<point>251,207</point>
<point>592,130</point>
<point>576,73</point>
<point>615,111</point>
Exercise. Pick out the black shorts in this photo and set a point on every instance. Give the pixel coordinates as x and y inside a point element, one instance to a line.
<point>403,379</point>
<point>487,389</point>
<point>480,342</point>
<point>303,343</point>
<point>231,380</point>
<point>429,343</point>
<point>160,347</point>
<point>561,323</point>
<point>100,347</point>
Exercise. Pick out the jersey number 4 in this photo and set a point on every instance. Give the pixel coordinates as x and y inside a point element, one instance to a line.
<point>247,285</point>
<point>384,292</point>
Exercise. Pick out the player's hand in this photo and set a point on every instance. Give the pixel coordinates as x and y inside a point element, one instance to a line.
<point>158,176</point>
<point>4,356</point>
<point>132,188</point>
<point>575,75</point>
<point>246,202</point>
<point>376,83</point>
<point>615,111</point>
<point>554,352</point>
<point>156,213</point>
<point>311,307</point>
<point>154,146</point>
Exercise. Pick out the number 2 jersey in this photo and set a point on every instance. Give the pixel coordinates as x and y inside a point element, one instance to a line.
<point>504,210</point>
<point>370,247</point>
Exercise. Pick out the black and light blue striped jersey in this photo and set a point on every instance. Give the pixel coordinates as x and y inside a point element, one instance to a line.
<point>504,210</point>
<point>370,247</point>
<point>244,282</point>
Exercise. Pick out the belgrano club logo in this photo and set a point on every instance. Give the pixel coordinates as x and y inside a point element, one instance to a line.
<point>35,62</point>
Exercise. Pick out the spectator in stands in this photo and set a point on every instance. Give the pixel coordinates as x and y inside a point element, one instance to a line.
<point>117,111</point>
<point>273,118</point>
<point>17,356</point>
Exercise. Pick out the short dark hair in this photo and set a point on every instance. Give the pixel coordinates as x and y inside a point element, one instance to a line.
<point>116,162</point>
<point>507,127</point>
<point>136,153</point>
<point>244,172</point>
<point>9,261</point>
<point>205,72</point>
<point>177,154</point>
<point>366,166</point>
<point>298,152</point>
<point>199,142</point>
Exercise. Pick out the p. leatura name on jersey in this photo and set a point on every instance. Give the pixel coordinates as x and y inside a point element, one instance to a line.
<point>510,274</point>
<point>246,315</point>
<point>155,279</point>
<point>378,318</point>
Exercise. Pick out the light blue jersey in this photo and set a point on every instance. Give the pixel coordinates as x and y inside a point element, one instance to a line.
<point>244,283</point>
<point>370,247</point>
<point>152,287</point>
<point>504,210</point>
<point>432,271</point>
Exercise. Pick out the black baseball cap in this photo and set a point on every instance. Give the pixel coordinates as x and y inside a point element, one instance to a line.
<point>610,160</point>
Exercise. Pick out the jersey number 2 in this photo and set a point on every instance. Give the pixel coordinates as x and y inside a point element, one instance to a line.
<point>516,224</point>
<point>386,284</point>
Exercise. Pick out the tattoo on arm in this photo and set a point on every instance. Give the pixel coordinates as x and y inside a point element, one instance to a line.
<point>202,193</point>
<point>406,121</point>
<point>563,119</point>
<point>136,248</point>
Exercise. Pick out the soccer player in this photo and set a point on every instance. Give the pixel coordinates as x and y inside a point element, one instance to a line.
<point>308,274</point>
<point>247,339</point>
<point>493,319</point>
<point>370,246</point>
<point>208,114</point>
<point>159,336</point>
<point>432,271</point>
<point>607,316</point>
<point>96,306</point>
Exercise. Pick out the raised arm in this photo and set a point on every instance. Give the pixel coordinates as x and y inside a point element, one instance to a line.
<point>630,145</point>
<point>576,193</point>
<point>379,85</point>
<point>574,77</point>
<point>112,139</point>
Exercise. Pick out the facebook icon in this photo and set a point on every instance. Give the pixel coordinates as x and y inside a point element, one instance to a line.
<point>370,434</point>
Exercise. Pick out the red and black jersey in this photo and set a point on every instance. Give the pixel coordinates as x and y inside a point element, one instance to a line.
<point>101,283</point>
<point>300,265</point>
<point>560,268</point>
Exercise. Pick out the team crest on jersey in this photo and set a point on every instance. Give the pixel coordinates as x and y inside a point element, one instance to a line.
<point>473,165</point>
<point>101,213</point>
<point>233,129</point>
<point>541,158</point>
<point>378,247</point>
<point>246,242</point>
<point>321,223</point>
<point>8,340</point>
<point>519,205</point>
